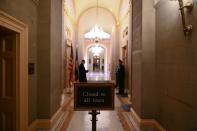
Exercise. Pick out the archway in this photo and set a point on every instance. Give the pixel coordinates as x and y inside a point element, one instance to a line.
<point>85,24</point>
<point>96,58</point>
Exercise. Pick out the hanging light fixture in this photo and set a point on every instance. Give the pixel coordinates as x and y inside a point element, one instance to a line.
<point>97,33</point>
<point>96,49</point>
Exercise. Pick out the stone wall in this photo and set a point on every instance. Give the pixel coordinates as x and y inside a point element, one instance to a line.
<point>136,54</point>
<point>149,90</point>
<point>44,21</point>
<point>164,65</point>
<point>176,72</point>
<point>56,54</point>
<point>44,54</point>
<point>50,56</point>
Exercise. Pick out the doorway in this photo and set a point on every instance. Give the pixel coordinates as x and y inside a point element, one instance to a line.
<point>96,64</point>
<point>13,74</point>
<point>96,55</point>
<point>8,65</point>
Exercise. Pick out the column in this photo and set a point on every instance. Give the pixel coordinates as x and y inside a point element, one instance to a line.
<point>130,50</point>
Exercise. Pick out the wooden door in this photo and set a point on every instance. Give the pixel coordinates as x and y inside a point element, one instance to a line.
<point>8,84</point>
<point>96,63</point>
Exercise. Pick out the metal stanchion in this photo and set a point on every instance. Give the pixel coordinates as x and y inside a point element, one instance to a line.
<point>94,113</point>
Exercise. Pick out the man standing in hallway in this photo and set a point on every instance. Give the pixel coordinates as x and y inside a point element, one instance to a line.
<point>120,72</point>
<point>82,72</point>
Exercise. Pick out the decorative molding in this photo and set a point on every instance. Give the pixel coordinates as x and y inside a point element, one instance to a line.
<point>11,23</point>
<point>125,32</point>
<point>131,120</point>
<point>47,123</point>
<point>55,122</point>
<point>146,123</point>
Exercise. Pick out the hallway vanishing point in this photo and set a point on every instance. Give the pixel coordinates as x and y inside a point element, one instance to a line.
<point>149,47</point>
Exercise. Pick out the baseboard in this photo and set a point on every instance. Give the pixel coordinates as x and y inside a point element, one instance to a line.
<point>146,123</point>
<point>33,126</point>
<point>40,124</point>
<point>47,124</point>
<point>54,122</point>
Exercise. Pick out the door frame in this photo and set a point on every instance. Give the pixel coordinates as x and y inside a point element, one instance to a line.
<point>11,23</point>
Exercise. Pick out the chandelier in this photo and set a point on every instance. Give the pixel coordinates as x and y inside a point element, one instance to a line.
<point>96,49</point>
<point>97,33</point>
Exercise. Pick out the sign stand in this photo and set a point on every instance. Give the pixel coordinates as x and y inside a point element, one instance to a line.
<point>94,113</point>
<point>93,97</point>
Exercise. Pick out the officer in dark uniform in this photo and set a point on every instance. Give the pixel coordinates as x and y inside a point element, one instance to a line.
<point>120,74</point>
<point>82,72</point>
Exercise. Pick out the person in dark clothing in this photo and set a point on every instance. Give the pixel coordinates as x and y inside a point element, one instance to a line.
<point>82,72</point>
<point>120,72</point>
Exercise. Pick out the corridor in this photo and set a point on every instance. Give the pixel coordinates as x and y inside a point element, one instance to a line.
<point>149,47</point>
<point>107,120</point>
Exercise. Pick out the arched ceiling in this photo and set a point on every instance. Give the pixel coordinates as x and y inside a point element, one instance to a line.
<point>111,5</point>
<point>79,6</point>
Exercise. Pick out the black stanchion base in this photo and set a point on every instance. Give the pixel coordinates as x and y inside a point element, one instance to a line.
<point>94,113</point>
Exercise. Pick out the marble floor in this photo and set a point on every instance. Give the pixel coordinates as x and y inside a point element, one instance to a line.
<point>98,76</point>
<point>107,120</point>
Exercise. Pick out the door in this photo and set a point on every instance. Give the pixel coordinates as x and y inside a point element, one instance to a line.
<point>8,103</point>
<point>96,63</point>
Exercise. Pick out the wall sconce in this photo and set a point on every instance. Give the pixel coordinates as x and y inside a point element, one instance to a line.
<point>186,4</point>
